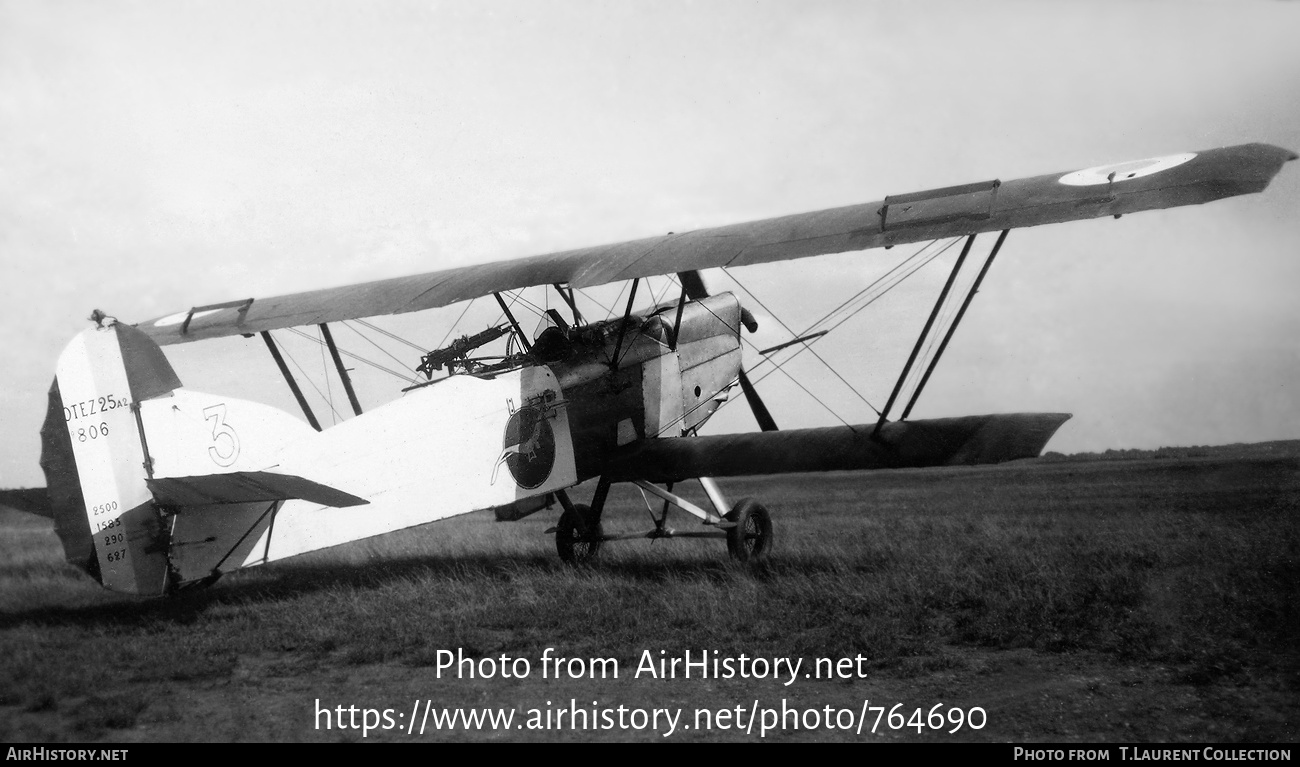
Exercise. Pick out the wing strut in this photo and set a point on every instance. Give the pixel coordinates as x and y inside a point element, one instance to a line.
<point>519,332</point>
<point>677,323</point>
<point>568,299</point>
<point>338,364</point>
<point>974,288</point>
<point>288,377</point>
<point>622,327</point>
<point>925,332</point>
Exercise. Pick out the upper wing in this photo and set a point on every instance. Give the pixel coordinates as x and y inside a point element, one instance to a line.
<point>1110,190</point>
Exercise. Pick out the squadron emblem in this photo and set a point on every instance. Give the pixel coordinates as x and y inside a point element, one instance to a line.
<point>528,448</point>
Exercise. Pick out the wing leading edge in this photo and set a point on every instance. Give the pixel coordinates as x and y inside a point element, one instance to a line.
<point>1162,182</point>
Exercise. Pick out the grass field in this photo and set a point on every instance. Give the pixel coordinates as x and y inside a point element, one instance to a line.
<point>1130,600</point>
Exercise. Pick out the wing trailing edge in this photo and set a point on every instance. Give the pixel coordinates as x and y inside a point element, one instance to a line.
<point>1112,190</point>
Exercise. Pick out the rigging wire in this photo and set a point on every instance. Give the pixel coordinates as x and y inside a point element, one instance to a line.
<point>772,314</point>
<point>358,358</point>
<point>940,327</point>
<point>284,349</point>
<point>621,288</point>
<point>539,311</point>
<point>371,341</point>
<point>608,312</point>
<point>325,373</point>
<point>781,365</point>
<point>454,324</point>
<point>671,282</point>
<point>786,372</point>
<point>873,284</point>
<point>896,283</point>
<point>855,312</point>
<point>394,336</point>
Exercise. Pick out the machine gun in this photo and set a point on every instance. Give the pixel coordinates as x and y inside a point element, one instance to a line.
<point>458,349</point>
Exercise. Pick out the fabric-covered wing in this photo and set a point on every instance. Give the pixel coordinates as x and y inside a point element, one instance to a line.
<point>1161,182</point>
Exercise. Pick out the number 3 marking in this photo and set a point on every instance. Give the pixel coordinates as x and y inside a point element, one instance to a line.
<point>227,456</point>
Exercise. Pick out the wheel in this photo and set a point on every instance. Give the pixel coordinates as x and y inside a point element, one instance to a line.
<point>751,538</point>
<point>574,547</point>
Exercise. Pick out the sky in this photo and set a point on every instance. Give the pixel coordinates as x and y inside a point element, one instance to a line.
<point>160,155</point>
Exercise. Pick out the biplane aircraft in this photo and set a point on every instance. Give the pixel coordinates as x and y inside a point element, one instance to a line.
<point>154,487</point>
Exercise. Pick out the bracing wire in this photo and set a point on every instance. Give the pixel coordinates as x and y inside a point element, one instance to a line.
<point>306,377</point>
<point>941,326</point>
<point>780,366</point>
<point>393,336</point>
<point>621,288</point>
<point>519,296</point>
<point>371,341</point>
<point>668,285</point>
<point>325,373</point>
<point>359,358</point>
<point>454,324</point>
<point>799,350</point>
<point>608,312</point>
<point>873,284</point>
<point>786,372</point>
<point>772,314</point>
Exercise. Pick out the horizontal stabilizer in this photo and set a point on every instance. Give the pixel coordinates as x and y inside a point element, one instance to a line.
<point>33,500</point>
<point>963,441</point>
<point>246,487</point>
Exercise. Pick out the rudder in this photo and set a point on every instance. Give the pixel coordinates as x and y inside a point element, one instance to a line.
<point>95,459</point>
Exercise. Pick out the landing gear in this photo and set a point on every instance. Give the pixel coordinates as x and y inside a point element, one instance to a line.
<point>747,527</point>
<point>751,537</point>
<point>578,535</point>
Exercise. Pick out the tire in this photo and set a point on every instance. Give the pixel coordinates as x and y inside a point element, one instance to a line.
<point>573,547</point>
<point>751,538</point>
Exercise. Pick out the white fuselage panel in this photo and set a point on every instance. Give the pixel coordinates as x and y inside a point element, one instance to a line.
<point>461,445</point>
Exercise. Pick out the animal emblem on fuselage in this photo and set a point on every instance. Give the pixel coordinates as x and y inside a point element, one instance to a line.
<point>528,448</point>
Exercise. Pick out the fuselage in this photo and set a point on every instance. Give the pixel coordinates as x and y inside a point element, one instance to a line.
<point>175,486</point>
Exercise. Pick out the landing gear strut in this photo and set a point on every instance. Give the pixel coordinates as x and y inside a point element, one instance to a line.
<point>747,527</point>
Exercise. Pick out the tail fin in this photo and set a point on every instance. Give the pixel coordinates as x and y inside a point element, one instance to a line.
<point>153,486</point>
<point>93,454</point>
